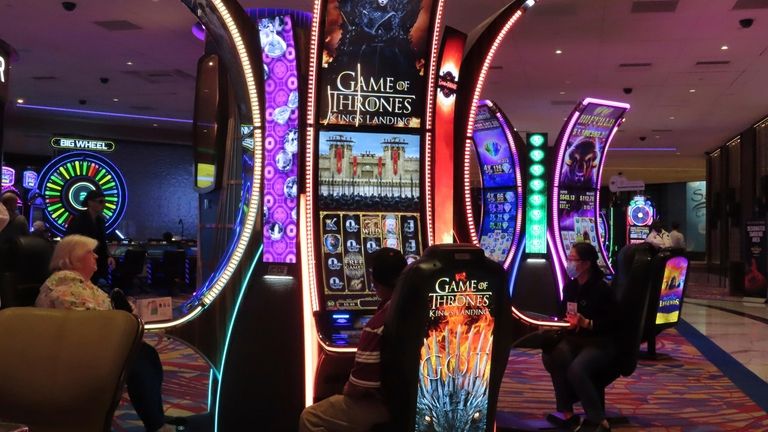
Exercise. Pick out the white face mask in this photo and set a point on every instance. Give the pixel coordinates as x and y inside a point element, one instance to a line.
<point>572,270</point>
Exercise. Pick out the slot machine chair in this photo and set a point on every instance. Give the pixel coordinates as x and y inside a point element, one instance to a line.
<point>131,267</point>
<point>406,332</point>
<point>631,287</point>
<point>63,370</point>
<point>650,328</point>
<point>25,268</point>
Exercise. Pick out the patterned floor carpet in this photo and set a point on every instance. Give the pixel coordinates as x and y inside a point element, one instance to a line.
<point>682,392</point>
<point>185,384</point>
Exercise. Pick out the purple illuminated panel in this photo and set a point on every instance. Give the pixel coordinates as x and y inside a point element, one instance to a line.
<point>582,146</point>
<point>9,176</point>
<point>281,143</point>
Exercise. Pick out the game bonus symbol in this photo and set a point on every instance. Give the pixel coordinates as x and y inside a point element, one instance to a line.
<point>67,179</point>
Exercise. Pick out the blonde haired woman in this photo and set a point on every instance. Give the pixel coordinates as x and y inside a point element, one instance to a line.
<point>69,287</point>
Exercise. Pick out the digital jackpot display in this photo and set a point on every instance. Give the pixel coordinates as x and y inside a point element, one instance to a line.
<point>501,190</point>
<point>581,155</point>
<point>66,180</point>
<point>374,56</point>
<point>455,361</point>
<point>369,187</point>
<point>281,141</point>
<point>672,286</point>
<point>640,215</point>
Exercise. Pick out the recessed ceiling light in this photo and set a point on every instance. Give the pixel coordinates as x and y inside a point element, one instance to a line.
<point>656,136</point>
<point>210,63</point>
<point>19,100</point>
<point>562,92</point>
<point>692,91</point>
<point>724,47</point>
<point>129,63</point>
<point>154,124</point>
<point>677,154</point>
<point>671,117</point>
<point>558,51</point>
<point>115,99</point>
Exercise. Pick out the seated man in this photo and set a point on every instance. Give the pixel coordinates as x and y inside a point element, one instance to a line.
<point>362,405</point>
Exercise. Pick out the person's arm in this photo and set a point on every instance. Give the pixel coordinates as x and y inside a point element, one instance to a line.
<point>365,378</point>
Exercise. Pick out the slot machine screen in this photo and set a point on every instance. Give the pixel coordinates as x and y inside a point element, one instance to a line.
<point>369,198</point>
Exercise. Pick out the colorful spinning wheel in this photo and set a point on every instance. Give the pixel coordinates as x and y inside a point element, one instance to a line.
<point>67,179</point>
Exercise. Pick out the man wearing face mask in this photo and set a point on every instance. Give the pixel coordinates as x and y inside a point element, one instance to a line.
<point>588,305</point>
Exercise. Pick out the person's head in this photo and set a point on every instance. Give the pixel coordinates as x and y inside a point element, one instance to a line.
<point>675,226</point>
<point>75,253</point>
<point>10,201</point>
<point>657,226</point>
<point>385,266</point>
<point>94,201</point>
<point>582,259</point>
<point>382,3</point>
<point>38,226</point>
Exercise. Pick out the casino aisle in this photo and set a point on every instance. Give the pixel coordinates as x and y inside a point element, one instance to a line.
<point>711,373</point>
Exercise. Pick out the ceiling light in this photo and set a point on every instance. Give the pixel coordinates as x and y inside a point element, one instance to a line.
<point>19,100</point>
<point>656,136</point>
<point>692,91</point>
<point>562,92</point>
<point>154,124</point>
<point>558,51</point>
<point>671,117</point>
<point>724,47</point>
<point>115,99</point>
<point>129,63</point>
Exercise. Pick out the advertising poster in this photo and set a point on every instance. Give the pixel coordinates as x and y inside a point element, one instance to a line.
<point>696,216</point>
<point>586,145</point>
<point>281,141</point>
<point>455,361</point>
<point>369,171</point>
<point>493,150</point>
<point>373,64</point>
<point>348,240</point>
<point>672,290</point>
<point>755,279</point>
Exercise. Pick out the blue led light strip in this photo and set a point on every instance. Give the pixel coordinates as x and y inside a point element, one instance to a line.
<point>101,113</point>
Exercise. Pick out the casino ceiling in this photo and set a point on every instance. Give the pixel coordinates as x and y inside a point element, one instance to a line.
<point>688,94</point>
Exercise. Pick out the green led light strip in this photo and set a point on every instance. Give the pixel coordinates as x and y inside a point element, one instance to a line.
<point>536,204</point>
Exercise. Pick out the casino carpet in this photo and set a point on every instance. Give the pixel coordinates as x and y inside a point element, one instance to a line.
<point>185,384</point>
<point>682,392</point>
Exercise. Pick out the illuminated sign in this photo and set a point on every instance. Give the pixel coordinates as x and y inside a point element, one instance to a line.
<point>499,230</point>
<point>281,159</point>
<point>29,179</point>
<point>82,144</point>
<point>2,69</point>
<point>581,150</point>
<point>9,176</point>
<point>671,295</point>
<point>640,216</point>
<point>455,361</point>
<point>374,63</point>
<point>536,204</point>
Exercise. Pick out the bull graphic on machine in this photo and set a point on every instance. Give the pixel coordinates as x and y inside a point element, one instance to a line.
<point>581,162</point>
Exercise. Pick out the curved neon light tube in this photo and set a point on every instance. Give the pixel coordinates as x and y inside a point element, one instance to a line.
<point>238,249</point>
<point>227,338</point>
<point>531,321</point>
<point>558,246</point>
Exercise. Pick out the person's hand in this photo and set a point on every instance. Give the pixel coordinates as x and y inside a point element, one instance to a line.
<point>111,263</point>
<point>573,320</point>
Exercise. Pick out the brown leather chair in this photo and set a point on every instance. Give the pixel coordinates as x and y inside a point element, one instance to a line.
<point>63,370</point>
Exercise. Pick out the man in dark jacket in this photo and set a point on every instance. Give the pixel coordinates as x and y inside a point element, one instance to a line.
<point>91,223</point>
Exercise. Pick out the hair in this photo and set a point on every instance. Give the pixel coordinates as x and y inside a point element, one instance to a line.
<point>386,266</point>
<point>675,225</point>
<point>657,225</point>
<point>69,249</point>
<point>587,252</point>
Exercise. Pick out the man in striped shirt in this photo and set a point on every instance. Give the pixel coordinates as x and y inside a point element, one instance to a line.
<point>362,404</point>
